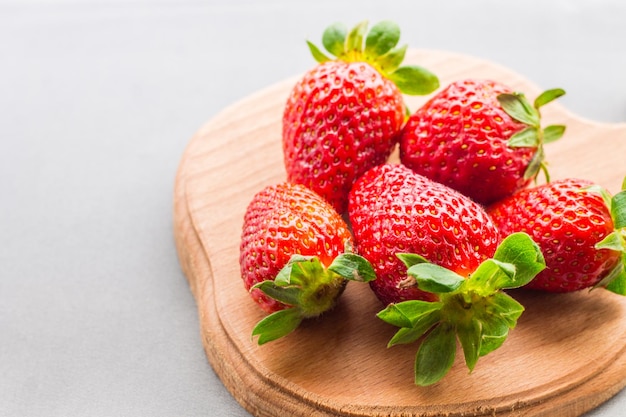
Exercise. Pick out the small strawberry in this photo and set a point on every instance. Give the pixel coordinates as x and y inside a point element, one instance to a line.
<point>480,138</point>
<point>344,115</point>
<point>451,289</point>
<point>392,209</point>
<point>580,229</point>
<point>292,257</point>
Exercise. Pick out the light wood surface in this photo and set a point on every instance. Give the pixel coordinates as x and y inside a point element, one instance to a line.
<point>566,356</point>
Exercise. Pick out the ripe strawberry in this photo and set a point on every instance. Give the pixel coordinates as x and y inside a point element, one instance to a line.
<point>581,231</point>
<point>344,115</point>
<point>292,257</point>
<point>479,138</point>
<point>395,211</point>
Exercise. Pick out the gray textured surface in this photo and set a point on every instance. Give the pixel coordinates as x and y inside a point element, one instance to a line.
<point>97,103</point>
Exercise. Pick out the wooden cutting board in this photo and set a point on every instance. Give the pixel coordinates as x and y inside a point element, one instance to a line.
<point>566,356</point>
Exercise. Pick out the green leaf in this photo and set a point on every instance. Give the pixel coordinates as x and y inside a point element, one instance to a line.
<point>410,259</point>
<point>277,325</point>
<point>617,285</point>
<point>334,39</point>
<point>284,276</point>
<point>296,258</point>
<point>434,278</point>
<point>548,96</point>
<point>490,276</point>
<point>508,271</point>
<point>414,80</point>
<point>354,41</point>
<point>606,196</point>
<point>615,280</point>
<point>305,271</point>
<point>353,267</point>
<point>470,336</point>
<point>520,249</point>
<point>286,295</point>
<point>317,54</point>
<point>618,210</point>
<point>613,241</point>
<point>392,60</point>
<point>494,333</point>
<point>526,138</point>
<point>381,38</point>
<point>553,133</point>
<point>544,168</point>
<point>435,355</point>
<point>518,259</point>
<point>406,335</point>
<point>535,164</point>
<point>407,313</point>
<point>516,106</point>
<point>411,334</point>
<point>506,308</point>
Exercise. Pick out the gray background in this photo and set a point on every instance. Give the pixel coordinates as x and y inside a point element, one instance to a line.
<point>98,100</point>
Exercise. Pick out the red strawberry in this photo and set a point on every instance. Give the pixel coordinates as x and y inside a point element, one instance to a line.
<point>479,138</point>
<point>395,211</point>
<point>581,231</point>
<point>292,257</point>
<point>344,115</point>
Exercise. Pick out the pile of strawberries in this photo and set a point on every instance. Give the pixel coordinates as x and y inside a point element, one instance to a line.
<point>438,236</point>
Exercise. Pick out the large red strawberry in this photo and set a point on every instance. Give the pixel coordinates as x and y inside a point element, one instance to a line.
<point>344,115</point>
<point>452,287</point>
<point>580,229</point>
<point>480,138</point>
<point>392,209</point>
<point>292,257</point>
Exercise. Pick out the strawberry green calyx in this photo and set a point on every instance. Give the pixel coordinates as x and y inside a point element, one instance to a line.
<point>309,289</point>
<point>615,281</point>
<point>519,108</point>
<point>473,310</point>
<point>378,47</point>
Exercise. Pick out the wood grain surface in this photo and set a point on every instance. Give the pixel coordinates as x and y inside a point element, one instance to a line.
<point>566,356</point>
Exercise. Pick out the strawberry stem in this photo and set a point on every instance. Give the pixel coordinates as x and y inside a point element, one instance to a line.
<point>377,47</point>
<point>473,310</point>
<point>309,289</point>
<point>519,108</point>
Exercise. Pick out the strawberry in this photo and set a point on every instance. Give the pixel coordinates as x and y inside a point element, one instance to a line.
<point>480,138</point>
<point>580,229</point>
<point>392,209</point>
<point>344,115</point>
<point>292,257</point>
<point>431,249</point>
